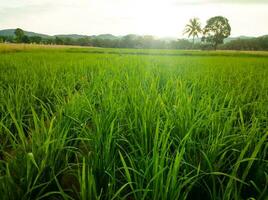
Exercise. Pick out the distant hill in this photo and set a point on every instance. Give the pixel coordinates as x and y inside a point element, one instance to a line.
<point>239,37</point>
<point>10,32</point>
<point>77,36</point>
<point>73,36</point>
<point>168,39</point>
<point>105,36</point>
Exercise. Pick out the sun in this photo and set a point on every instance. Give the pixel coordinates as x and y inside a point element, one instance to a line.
<point>159,18</point>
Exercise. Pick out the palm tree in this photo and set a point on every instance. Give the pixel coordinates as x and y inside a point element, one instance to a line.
<point>193,28</point>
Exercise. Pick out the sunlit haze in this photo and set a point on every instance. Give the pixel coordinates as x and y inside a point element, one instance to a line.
<point>120,17</point>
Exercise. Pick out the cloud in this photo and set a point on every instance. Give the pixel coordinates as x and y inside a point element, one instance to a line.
<point>119,17</point>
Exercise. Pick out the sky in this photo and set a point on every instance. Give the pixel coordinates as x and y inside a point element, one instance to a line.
<point>162,18</point>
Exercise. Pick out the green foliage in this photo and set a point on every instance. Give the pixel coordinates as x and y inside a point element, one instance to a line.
<point>35,39</point>
<point>78,123</point>
<point>216,30</point>
<point>19,33</point>
<point>184,44</point>
<point>193,29</point>
<point>25,39</point>
<point>59,41</point>
<point>257,44</point>
<point>138,42</point>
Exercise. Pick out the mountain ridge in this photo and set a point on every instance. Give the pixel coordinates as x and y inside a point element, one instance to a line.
<point>10,33</point>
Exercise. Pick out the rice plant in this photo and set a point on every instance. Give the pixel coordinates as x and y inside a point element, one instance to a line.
<point>78,123</point>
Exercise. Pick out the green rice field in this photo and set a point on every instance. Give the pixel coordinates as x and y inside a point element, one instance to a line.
<point>93,123</point>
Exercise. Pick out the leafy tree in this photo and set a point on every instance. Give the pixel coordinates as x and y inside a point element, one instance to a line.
<point>193,29</point>
<point>84,41</point>
<point>129,41</point>
<point>256,44</point>
<point>7,38</point>
<point>35,39</point>
<point>216,30</point>
<point>48,40</point>
<point>59,41</point>
<point>146,41</point>
<point>25,39</point>
<point>19,33</point>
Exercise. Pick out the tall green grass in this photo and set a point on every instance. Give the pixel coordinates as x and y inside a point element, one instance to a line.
<point>78,125</point>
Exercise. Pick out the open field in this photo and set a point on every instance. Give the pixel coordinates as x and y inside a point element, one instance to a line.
<point>7,48</point>
<point>92,123</point>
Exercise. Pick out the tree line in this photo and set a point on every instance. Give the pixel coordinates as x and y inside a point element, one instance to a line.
<point>128,41</point>
<point>210,37</point>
